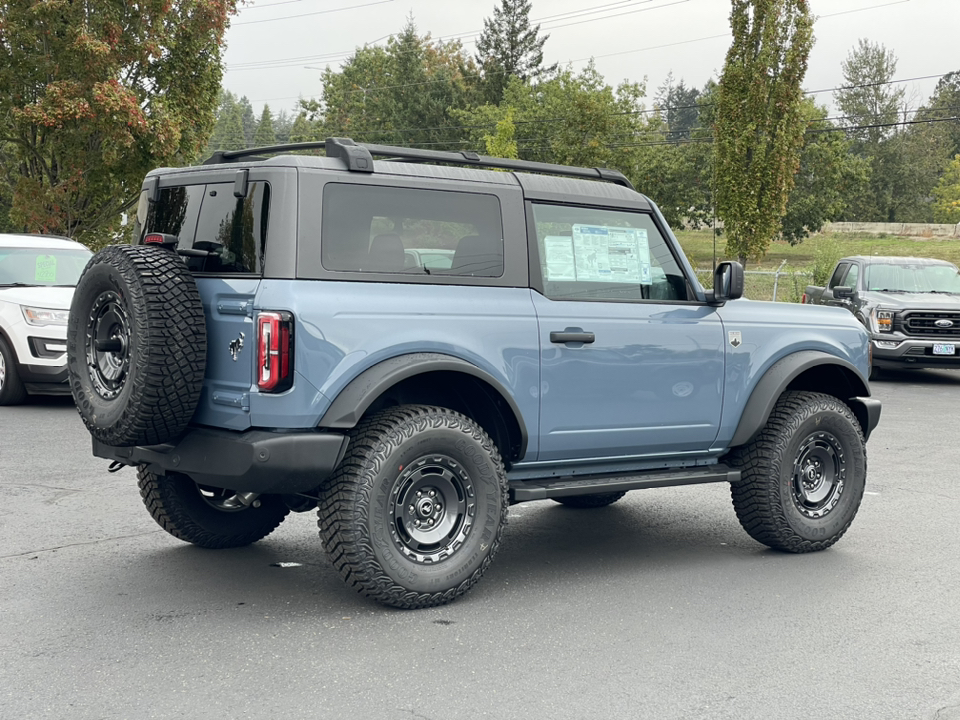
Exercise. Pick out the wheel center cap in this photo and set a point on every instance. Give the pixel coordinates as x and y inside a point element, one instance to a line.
<point>424,507</point>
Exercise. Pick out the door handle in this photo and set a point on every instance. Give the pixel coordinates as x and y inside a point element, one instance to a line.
<point>569,336</point>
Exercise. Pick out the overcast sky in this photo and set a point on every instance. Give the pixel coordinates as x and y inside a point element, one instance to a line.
<point>276,49</point>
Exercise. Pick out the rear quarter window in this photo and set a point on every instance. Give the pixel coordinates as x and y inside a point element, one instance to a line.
<point>374,229</point>
<point>209,218</point>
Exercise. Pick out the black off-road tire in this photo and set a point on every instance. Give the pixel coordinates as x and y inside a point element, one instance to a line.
<point>803,476</point>
<point>369,509</point>
<point>180,508</point>
<point>12,391</point>
<point>141,304</point>
<point>596,500</point>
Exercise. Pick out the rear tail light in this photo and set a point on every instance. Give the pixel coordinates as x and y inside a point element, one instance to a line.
<point>804,298</point>
<point>274,351</point>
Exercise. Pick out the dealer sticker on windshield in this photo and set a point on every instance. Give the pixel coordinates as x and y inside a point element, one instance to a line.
<point>944,349</point>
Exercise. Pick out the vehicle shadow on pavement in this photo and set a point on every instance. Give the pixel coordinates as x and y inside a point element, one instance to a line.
<point>546,548</point>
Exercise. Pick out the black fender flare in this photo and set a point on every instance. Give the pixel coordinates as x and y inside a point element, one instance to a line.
<point>777,379</point>
<point>361,392</point>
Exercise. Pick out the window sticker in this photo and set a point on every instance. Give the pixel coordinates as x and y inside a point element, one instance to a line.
<point>611,254</point>
<point>46,269</point>
<point>558,250</point>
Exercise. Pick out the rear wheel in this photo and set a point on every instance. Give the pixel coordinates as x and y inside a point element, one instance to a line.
<point>413,516</point>
<point>206,516</point>
<point>12,391</point>
<point>590,501</point>
<point>803,476</point>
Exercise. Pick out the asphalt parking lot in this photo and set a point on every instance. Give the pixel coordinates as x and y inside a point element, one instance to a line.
<point>657,607</point>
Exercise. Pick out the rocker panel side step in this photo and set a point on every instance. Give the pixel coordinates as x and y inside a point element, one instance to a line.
<point>524,491</point>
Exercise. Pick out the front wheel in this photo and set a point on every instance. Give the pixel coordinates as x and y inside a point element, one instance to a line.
<point>413,516</point>
<point>803,476</point>
<point>12,391</point>
<point>206,516</point>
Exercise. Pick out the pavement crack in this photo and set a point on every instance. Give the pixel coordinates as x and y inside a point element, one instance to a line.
<point>78,544</point>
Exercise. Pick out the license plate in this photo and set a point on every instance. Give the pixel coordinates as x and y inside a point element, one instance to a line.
<point>944,349</point>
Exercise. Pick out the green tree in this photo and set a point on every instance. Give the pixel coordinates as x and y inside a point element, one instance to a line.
<point>828,176</point>
<point>503,143</point>
<point>264,135</point>
<point>759,123</point>
<point>947,206</point>
<point>95,94</point>
<point>224,110</point>
<point>302,130</point>
<point>233,136</point>
<point>248,120</point>
<point>510,47</point>
<point>281,126</point>
<point>678,106</point>
<point>571,119</point>
<point>905,162</point>
<point>406,93</point>
<point>868,101</point>
<point>944,104</point>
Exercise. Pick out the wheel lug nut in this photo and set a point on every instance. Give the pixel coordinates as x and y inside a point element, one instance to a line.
<point>412,508</point>
<point>433,493</point>
<point>419,494</point>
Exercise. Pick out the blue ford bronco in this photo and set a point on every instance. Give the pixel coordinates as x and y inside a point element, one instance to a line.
<point>409,345</point>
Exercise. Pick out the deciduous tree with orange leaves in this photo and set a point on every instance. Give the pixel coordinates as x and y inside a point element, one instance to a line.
<point>95,93</point>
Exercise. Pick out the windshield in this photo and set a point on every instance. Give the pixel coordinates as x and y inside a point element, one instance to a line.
<point>41,266</point>
<point>913,278</point>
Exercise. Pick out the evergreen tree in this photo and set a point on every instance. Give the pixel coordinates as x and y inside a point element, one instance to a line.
<point>302,129</point>
<point>248,120</point>
<point>510,47</point>
<point>281,126</point>
<point>265,135</point>
<point>224,110</point>
<point>759,120</point>
<point>678,106</point>
<point>233,136</point>
<point>868,99</point>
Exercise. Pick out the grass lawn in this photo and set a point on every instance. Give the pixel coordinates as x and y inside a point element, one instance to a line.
<point>819,252</point>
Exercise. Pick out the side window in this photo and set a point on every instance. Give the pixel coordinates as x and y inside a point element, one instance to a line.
<point>209,218</point>
<point>852,276</point>
<point>596,254</point>
<point>232,229</point>
<point>837,275</point>
<point>368,228</point>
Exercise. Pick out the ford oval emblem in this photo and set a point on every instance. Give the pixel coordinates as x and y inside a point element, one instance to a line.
<point>944,323</point>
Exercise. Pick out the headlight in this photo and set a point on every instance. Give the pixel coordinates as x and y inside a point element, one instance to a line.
<point>44,316</point>
<point>881,321</point>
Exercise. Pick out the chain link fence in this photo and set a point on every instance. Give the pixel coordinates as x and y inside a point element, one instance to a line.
<point>781,285</point>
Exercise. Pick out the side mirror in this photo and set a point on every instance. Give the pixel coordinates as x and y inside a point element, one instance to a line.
<point>727,283</point>
<point>842,292</point>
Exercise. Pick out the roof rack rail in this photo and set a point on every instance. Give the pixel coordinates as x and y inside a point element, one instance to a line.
<point>359,158</point>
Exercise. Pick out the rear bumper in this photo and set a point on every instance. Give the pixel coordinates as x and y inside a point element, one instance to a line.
<point>253,461</point>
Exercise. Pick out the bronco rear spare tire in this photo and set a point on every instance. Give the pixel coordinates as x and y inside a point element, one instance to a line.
<point>136,345</point>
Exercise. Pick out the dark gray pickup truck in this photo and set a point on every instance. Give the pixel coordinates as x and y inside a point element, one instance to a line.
<point>911,306</point>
